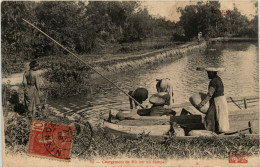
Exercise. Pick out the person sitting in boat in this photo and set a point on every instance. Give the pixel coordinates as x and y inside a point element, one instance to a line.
<point>140,95</point>
<point>165,85</point>
<point>216,119</point>
<point>158,101</point>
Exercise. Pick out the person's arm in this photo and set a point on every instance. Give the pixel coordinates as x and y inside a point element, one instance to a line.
<point>208,97</point>
<point>37,82</point>
<point>24,80</point>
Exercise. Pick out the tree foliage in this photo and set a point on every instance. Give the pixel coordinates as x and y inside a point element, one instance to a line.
<point>209,19</point>
<point>87,27</point>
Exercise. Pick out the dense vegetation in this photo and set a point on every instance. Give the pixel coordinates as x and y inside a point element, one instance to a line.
<point>89,27</point>
<point>101,27</point>
<point>208,19</point>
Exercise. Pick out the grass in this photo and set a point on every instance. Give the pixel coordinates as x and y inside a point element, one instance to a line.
<point>174,148</point>
<point>105,145</point>
<point>15,63</point>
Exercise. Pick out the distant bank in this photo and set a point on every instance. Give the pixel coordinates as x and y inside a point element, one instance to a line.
<point>136,61</point>
<point>232,39</point>
<point>159,56</point>
<point>148,59</point>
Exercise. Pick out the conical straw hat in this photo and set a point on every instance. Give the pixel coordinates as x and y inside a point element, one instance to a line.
<point>156,100</point>
<point>216,69</point>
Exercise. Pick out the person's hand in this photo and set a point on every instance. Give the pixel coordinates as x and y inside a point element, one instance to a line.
<point>199,106</point>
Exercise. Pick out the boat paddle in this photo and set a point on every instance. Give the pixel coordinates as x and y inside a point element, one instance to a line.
<point>82,61</point>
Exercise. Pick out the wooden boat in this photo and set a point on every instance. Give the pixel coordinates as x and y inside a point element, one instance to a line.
<point>160,126</point>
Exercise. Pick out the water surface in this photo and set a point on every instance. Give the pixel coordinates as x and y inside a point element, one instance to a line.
<point>240,78</point>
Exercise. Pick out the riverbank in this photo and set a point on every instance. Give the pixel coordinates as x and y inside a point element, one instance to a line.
<point>147,59</point>
<point>232,39</point>
<point>114,63</point>
<point>107,64</point>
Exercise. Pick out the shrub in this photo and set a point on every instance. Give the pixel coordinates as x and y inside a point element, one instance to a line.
<point>66,78</point>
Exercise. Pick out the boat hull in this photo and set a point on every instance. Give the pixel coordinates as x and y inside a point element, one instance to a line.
<point>160,126</point>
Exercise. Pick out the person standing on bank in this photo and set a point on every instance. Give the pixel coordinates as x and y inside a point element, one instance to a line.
<point>199,36</point>
<point>31,89</point>
<point>216,119</point>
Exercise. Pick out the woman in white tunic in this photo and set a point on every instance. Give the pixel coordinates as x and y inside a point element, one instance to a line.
<point>216,119</point>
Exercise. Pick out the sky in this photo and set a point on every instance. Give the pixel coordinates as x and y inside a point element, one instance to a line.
<point>168,9</point>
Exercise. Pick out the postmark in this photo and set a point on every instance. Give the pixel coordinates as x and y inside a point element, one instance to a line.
<point>237,157</point>
<point>50,140</point>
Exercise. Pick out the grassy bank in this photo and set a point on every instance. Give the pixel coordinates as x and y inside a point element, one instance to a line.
<point>107,146</point>
<point>233,39</point>
<point>65,76</point>
<point>106,52</point>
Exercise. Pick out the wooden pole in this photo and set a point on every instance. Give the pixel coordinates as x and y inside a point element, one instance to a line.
<point>235,103</point>
<point>82,61</point>
<point>245,103</point>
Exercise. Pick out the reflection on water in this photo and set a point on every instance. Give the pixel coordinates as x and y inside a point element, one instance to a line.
<point>240,79</point>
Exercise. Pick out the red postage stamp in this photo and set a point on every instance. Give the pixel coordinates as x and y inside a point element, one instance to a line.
<point>50,140</point>
<point>237,157</point>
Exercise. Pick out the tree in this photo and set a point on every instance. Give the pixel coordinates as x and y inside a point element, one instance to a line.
<point>200,18</point>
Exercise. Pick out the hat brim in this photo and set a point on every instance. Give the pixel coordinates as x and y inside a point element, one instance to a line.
<point>215,69</point>
<point>156,100</point>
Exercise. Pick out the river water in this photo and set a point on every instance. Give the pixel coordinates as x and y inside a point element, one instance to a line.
<point>240,78</point>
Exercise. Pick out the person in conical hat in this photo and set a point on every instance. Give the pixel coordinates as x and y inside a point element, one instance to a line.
<point>158,101</point>
<point>216,119</point>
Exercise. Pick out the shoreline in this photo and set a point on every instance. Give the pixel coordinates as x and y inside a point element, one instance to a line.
<point>145,60</point>
<point>113,66</point>
<point>128,63</point>
<point>232,39</point>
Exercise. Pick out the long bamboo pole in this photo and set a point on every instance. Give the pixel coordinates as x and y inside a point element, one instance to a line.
<point>82,61</point>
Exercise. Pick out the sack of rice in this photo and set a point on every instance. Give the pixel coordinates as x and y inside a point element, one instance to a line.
<point>196,99</point>
<point>122,115</point>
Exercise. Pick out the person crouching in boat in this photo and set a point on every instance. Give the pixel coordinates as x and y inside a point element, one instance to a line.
<point>158,101</point>
<point>31,90</point>
<point>216,119</point>
<point>140,95</point>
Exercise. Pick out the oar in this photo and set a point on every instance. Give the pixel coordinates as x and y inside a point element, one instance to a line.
<point>82,61</point>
